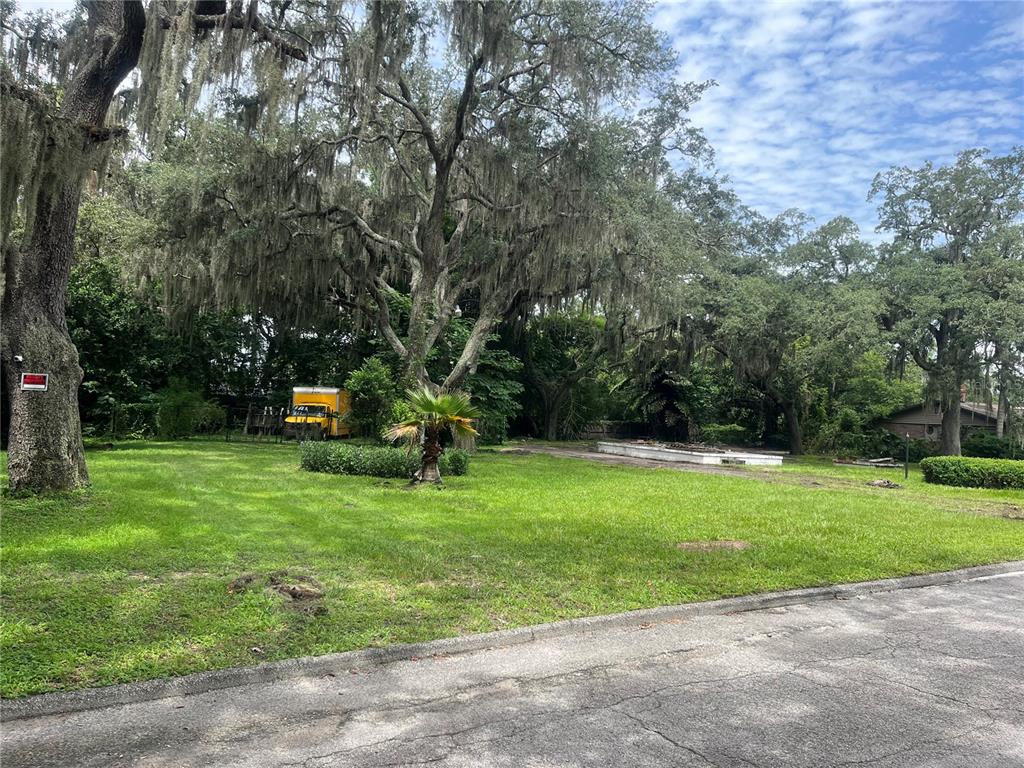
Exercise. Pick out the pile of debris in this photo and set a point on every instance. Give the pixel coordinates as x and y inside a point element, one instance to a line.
<point>700,447</point>
<point>888,461</point>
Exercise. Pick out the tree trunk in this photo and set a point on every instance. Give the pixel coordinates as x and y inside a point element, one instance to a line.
<point>429,470</point>
<point>796,441</point>
<point>950,445</point>
<point>45,438</point>
<point>1003,382</point>
<point>45,445</point>
<point>1002,410</point>
<point>551,414</point>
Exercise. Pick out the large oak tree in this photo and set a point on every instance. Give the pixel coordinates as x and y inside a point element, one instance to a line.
<point>58,83</point>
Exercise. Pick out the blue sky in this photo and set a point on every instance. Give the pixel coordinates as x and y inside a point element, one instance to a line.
<point>814,98</point>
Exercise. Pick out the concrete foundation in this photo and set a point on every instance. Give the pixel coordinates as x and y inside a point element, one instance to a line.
<point>662,453</point>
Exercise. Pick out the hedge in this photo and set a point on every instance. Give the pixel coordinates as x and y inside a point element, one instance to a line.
<point>972,472</point>
<point>376,461</point>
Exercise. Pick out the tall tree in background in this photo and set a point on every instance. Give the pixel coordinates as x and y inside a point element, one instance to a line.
<point>954,229</point>
<point>560,351</point>
<point>801,311</point>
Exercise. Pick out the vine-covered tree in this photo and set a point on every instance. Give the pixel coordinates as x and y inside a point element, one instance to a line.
<point>482,187</point>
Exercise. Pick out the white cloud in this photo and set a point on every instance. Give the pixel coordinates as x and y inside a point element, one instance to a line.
<point>815,98</point>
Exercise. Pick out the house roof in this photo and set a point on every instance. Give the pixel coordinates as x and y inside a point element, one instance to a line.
<point>982,409</point>
<point>977,409</point>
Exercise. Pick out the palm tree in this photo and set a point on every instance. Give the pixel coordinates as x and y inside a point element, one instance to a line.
<point>433,415</point>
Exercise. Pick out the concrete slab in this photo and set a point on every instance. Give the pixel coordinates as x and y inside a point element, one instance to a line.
<point>926,676</point>
<point>664,453</point>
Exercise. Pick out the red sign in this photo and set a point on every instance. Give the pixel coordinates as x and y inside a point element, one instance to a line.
<point>35,381</point>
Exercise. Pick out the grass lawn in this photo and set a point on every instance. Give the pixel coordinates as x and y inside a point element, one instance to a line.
<point>129,580</point>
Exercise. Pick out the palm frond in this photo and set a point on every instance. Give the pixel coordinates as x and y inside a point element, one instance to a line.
<point>444,410</point>
<point>463,427</point>
<point>410,432</point>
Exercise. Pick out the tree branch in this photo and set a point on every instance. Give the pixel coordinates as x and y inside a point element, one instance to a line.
<point>405,100</point>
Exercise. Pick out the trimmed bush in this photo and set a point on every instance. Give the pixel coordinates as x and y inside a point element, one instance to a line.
<point>375,461</point>
<point>973,473</point>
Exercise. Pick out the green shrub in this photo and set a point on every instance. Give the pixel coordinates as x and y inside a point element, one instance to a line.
<point>986,445</point>
<point>372,460</point>
<point>454,461</point>
<point>973,472</point>
<point>372,393</point>
<point>728,434</point>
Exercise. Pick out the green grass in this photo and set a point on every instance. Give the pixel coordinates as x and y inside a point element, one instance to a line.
<point>822,468</point>
<point>128,581</point>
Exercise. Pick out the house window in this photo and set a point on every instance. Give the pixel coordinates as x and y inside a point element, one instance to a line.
<point>930,430</point>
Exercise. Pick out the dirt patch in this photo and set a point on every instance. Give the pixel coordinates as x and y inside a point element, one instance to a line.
<point>883,484</point>
<point>242,583</point>
<point>295,586</point>
<point>300,592</point>
<point>1012,512</point>
<point>713,545</point>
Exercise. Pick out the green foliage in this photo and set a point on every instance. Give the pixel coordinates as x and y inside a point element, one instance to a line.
<point>495,385</point>
<point>182,412</point>
<point>973,472</point>
<point>372,393</point>
<point>565,354</point>
<point>376,461</point>
<point>496,392</point>
<point>726,434</point>
<point>954,272</point>
<point>986,445</point>
<point>889,444</point>
<point>131,421</point>
<point>454,461</point>
<point>123,344</point>
<point>846,412</point>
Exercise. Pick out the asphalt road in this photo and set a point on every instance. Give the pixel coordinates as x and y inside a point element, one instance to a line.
<point>916,677</point>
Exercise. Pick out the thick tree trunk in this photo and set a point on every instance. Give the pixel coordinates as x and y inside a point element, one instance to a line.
<point>552,412</point>
<point>45,439</point>
<point>950,445</point>
<point>796,439</point>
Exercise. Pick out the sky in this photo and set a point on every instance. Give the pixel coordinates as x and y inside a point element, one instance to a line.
<point>815,98</point>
